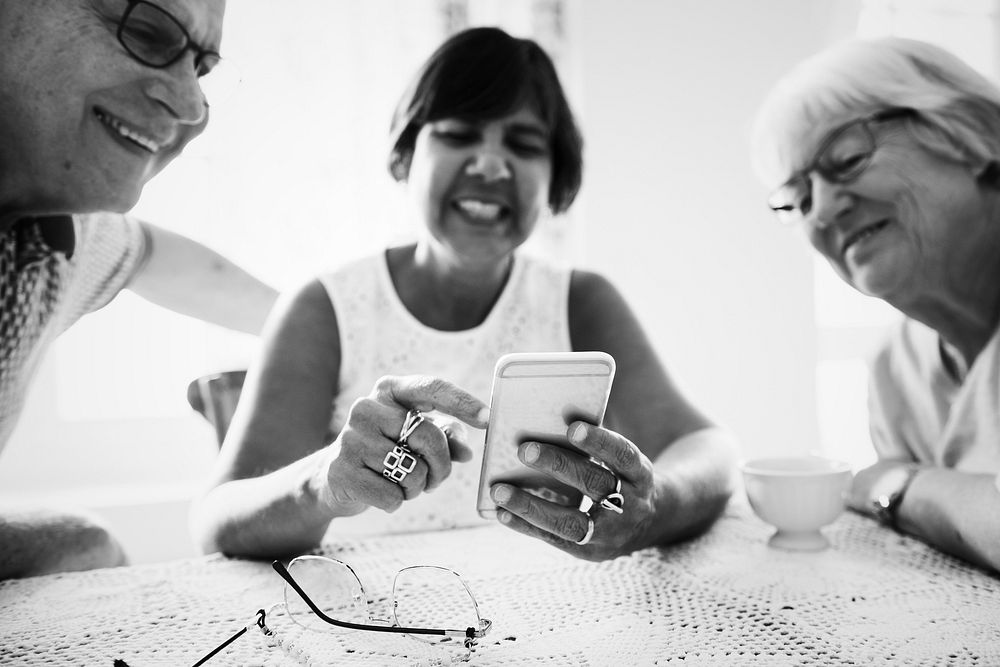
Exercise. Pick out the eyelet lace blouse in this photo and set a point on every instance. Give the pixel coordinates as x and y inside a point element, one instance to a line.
<point>379,336</point>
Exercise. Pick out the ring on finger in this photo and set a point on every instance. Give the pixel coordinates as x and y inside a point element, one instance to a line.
<point>398,463</point>
<point>590,532</point>
<point>614,501</point>
<point>414,418</point>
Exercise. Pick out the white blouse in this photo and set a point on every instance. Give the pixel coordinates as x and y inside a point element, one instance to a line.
<point>379,336</point>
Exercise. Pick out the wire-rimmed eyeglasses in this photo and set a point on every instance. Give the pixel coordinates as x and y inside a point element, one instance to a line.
<point>430,603</point>
<point>157,39</point>
<point>842,157</point>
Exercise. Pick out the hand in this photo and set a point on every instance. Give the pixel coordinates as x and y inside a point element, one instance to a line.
<point>614,534</point>
<point>374,425</point>
<point>863,488</point>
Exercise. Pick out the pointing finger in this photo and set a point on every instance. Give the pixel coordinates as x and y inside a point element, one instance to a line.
<point>426,393</point>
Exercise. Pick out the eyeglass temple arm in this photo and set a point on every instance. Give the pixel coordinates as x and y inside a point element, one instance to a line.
<point>280,568</point>
<point>236,635</point>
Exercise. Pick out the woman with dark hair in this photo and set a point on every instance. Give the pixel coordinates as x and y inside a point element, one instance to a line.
<point>451,83</point>
<point>484,140</point>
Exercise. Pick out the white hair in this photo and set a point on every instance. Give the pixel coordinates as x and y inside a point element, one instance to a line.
<point>958,109</point>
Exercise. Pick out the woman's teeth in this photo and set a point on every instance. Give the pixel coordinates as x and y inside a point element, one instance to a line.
<point>480,210</point>
<point>865,233</point>
<point>129,134</point>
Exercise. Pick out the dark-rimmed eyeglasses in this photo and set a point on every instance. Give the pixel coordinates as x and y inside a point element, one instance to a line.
<point>842,157</point>
<point>430,603</point>
<point>157,39</point>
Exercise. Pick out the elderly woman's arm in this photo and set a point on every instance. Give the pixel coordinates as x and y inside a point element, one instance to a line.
<point>957,512</point>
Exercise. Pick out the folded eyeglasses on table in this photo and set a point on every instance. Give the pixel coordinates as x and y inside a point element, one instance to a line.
<point>430,603</point>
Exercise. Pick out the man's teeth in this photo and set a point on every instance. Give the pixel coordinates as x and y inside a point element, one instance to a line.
<point>131,135</point>
<point>480,209</point>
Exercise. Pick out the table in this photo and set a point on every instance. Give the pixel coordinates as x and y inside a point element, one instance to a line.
<point>726,598</point>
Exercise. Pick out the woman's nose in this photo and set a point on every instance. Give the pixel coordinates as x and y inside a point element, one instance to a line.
<point>179,90</point>
<point>489,166</point>
<point>829,202</point>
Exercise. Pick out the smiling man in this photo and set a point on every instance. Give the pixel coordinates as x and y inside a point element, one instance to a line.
<point>96,97</point>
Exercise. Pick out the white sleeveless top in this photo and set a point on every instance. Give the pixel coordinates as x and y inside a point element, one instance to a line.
<point>379,336</point>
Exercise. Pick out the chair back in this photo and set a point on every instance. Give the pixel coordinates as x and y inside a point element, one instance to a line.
<point>214,397</point>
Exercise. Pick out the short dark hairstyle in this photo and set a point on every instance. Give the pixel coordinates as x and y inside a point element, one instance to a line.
<point>482,74</point>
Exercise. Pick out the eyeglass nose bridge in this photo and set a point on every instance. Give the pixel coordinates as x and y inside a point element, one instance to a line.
<point>387,621</point>
<point>790,201</point>
<point>811,195</point>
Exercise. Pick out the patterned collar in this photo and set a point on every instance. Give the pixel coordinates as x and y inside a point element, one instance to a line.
<point>38,238</point>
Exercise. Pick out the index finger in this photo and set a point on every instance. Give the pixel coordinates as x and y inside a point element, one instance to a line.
<point>614,450</point>
<point>426,393</point>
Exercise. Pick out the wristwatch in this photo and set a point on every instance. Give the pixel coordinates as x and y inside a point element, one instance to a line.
<point>887,493</point>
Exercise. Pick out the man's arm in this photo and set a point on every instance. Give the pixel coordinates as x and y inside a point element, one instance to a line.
<point>39,542</point>
<point>189,278</point>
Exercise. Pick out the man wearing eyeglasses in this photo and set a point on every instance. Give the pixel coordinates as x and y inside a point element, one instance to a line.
<point>96,97</point>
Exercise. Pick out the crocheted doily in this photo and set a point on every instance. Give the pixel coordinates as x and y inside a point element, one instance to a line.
<point>726,598</point>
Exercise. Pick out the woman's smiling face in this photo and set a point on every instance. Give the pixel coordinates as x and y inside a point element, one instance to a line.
<point>479,187</point>
<point>900,226</point>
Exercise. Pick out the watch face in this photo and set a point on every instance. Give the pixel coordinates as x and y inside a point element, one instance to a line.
<point>889,484</point>
<point>887,493</point>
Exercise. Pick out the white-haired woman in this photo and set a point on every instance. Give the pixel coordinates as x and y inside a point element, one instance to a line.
<point>887,154</point>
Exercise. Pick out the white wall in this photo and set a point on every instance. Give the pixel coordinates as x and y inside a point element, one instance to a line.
<point>674,214</point>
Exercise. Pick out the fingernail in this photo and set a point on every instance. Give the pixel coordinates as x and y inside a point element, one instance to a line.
<point>530,452</point>
<point>483,415</point>
<point>578,433</point>
<point>503,517</point>
<point>501,494</point>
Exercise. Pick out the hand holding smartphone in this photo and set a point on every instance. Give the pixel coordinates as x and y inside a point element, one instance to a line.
<point>536,396</point>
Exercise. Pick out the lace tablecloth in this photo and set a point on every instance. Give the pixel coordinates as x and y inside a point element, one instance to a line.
<point>873,598</point>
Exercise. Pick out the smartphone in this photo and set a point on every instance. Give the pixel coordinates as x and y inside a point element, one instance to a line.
<point>536,396</point>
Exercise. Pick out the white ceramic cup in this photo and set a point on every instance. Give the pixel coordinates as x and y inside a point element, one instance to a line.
<point>797,495</point>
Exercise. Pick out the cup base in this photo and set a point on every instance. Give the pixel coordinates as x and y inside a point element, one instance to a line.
<point>805,540</point>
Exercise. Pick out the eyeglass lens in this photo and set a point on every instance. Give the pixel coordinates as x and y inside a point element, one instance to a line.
<point>157,39</point>
<point>423,597</point>
<point>842,158</point>
<point>433,597</point>
<point>152,35</point>
<point>333,587</point>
